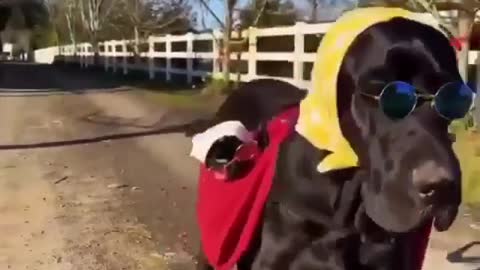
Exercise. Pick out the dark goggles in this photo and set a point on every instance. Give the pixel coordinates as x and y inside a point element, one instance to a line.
<point>231,158</point>
<point>398,99</point>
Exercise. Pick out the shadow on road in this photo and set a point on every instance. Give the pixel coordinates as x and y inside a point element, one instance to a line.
<point>30,79</point>
<point>42,78</point>
<point>458,256</point>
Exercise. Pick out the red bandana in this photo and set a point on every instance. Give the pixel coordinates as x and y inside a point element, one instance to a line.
<point>229,212</point>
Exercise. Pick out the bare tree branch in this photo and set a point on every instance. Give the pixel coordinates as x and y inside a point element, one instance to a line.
<point>205,4</point>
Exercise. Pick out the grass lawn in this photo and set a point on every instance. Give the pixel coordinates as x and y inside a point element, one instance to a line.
<point>189,99</point>
<point>467,148</point>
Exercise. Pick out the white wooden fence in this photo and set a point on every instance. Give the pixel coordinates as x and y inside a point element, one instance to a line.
<point>116,54</point>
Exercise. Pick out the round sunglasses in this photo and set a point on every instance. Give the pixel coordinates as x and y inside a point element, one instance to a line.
<point>235,161</point>
<point>398,99</point>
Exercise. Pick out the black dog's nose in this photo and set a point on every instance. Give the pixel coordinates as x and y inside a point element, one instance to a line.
<point>431,181</point>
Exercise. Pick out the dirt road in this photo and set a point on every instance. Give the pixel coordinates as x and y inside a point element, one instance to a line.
<point>118,204</point>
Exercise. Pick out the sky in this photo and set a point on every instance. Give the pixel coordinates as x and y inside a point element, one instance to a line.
<point>218,7</point>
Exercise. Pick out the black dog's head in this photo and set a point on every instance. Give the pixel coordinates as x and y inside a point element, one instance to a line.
<point>413,173</point>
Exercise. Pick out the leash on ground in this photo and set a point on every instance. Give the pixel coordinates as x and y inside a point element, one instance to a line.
<point>181,128</point>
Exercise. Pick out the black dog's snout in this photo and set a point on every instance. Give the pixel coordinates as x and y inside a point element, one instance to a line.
<point>432,181</point>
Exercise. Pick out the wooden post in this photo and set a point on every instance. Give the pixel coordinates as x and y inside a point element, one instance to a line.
<point>190,56</point>
<point>299,48</point>
<point>216,52</point>
<point>252,53</point>
<point>168,61</point>
<point>114,56</point>
<point>124,57</point>
<point>105,54</point>
<point>151,58</point>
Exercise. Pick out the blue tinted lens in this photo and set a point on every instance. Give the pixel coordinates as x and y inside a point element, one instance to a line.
<point>454,100</point>
<point>398,99</point>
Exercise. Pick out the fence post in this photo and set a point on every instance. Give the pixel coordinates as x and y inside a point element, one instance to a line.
<point>299,39</point>
<point>168,61</point>
<point>69,54</point>
<point>80,55</point>
<point>252,53</point>
<point>88,58</point>
<point>216,51</point>
<point>105,55</point>
<point>83,58</point>
<point>91,54</point>
<point>124,58</point>
<point>190,38</point>
<point>114,56</point>
<point>151,58</point>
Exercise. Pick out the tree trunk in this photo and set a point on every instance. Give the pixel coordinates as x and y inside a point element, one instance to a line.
<point>313,15</point>
<point>71,31</point>
<point>137,40</point>
<point>96,52</point>
<point>136,49</point>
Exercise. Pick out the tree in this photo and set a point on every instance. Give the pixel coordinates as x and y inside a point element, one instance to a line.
<point>146,17</point>
<point>250,16</point>
<point>327,10</point>
<point>227,27</point>
<point>18,19</point>
<point>65,19</point>
<point>43,37</point>
<point>314,11</point>
<point>70,18</point>
<point>93,15</point>
<point>268,13</point>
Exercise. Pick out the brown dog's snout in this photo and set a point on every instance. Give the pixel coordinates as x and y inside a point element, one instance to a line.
<point>431,181</point>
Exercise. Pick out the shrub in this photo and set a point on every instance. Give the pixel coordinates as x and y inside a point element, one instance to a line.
<point>216,85</point>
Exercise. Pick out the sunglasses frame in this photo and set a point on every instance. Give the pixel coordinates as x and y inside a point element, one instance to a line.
<point>243,153</point>
<point>428,97</point>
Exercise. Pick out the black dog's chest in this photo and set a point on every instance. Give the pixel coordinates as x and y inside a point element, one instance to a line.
<point>291,242</point>
<point>311,219</point>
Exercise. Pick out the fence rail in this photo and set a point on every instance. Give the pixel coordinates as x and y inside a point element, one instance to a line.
<point>158,54</point>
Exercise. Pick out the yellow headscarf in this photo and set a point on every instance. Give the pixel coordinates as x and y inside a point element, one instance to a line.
<point>318,121</point>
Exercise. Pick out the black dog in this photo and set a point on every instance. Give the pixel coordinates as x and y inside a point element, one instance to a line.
<point>360,218</point>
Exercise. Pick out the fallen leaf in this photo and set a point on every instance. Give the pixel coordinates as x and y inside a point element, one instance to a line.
<point>117,186</point>
<point>169,254</point>
<point>61,180</point>
<point>475,226</point>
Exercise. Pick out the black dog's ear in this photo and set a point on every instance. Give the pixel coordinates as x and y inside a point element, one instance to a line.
<point>445,218</point>
<point>361,116</point>
<point>198,126</point>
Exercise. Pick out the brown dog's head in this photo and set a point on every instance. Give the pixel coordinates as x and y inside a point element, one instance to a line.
<point>413,173</point>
